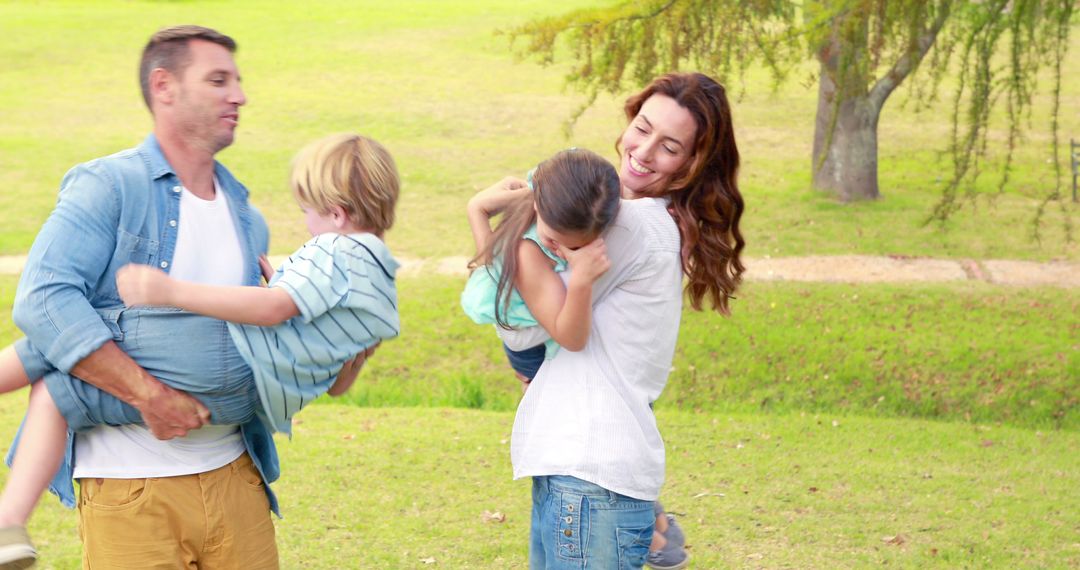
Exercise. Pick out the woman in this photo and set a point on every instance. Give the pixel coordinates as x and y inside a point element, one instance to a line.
<point>585,431</point>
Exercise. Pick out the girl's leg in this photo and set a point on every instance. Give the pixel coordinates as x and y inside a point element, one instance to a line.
<point>12,373</point>
<point>40,451</point>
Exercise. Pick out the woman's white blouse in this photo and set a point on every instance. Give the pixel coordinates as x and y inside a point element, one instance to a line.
<point>588,414</point>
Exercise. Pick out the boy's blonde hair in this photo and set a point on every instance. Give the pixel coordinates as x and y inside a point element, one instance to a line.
<point>350,171</point>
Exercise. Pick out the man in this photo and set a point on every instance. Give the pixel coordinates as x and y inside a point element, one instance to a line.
<point>200,500</point>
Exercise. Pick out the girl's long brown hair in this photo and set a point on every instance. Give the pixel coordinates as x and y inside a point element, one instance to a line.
<point>705,198</point>
<point>575,191</point>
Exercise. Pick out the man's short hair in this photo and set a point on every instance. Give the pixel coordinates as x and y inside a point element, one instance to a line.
<point>169,50</point>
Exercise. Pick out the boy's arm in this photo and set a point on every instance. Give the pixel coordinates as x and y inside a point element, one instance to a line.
<point>564,311</point>
<point>260,306</point>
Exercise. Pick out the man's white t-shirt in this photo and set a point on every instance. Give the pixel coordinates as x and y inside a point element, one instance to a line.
<point>207,251</point>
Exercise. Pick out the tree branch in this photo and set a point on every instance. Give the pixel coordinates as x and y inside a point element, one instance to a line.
<point>910,60</point>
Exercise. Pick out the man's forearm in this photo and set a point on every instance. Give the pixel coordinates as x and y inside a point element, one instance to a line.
<point>167,412</point>
<point>112,370</point>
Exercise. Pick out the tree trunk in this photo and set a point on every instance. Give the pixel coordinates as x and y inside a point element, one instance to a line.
<point>845,132</point>
<point>848,169</point>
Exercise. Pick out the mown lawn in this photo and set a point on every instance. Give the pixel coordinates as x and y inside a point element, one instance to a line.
<point>433,82</point>
<point>822,426</point>
<point>391,488</point>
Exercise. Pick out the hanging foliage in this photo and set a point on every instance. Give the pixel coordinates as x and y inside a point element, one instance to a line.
<point>995,48</point>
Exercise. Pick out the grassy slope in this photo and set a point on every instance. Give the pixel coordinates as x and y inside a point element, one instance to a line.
<point>957,351</point>
<point>952,351</point>
<point>431,81</point>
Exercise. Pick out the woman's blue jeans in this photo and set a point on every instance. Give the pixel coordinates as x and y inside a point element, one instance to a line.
<point>577,525</point>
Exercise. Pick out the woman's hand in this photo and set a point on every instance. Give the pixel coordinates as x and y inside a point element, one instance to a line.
<point>494,199</point>
<point>350,370</point>
<point>588,262</point>
<point>143,285</point>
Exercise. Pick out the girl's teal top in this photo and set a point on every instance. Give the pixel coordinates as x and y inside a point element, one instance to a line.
<point>479,297</point>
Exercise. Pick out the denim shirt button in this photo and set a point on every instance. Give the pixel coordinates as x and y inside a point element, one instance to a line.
<point>164,264</point>
<point>176,189</point>
<point>172,223</point>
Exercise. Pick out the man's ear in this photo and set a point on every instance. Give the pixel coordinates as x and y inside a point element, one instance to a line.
<point>162,86</point>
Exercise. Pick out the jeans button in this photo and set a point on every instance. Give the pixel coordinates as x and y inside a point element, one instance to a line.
<point>569,520</point>
<point>570,508</point>
<point>568,532</point>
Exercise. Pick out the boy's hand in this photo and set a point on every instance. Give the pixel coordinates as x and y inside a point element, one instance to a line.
<point>494,199</point>
<point>350,370</point>
<point>143,285</point>
<point>588,262</point>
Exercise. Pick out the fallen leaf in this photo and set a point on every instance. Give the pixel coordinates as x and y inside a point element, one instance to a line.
<point>700,495</point>
<point>755,556</point>
<point>496,516</point>
<point>897,540</point>
<point>429,560</point>
<point>813,489</point>
<point>349,436</point>
<point>987,443</point>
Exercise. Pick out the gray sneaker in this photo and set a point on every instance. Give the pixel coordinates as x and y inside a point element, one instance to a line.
<point>16,551</point>
<point>674,534</point>
<point>668,558</point>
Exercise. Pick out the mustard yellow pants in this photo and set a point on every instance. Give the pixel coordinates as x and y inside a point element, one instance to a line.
<point>208,521</point>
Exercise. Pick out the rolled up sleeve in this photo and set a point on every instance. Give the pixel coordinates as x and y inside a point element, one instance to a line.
<point>69,256</point>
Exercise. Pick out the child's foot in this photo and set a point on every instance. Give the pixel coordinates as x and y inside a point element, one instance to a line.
<point>670,557</point>
<point>674,534</point>
<point>16,551</point>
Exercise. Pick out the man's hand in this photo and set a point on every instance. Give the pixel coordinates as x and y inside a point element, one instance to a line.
<point>266,269</point>
<point>171,413</point>
<point>143,285</point>
<point>350,370</point>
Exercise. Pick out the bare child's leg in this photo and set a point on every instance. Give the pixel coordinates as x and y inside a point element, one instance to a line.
<point>658,540</point>
<point>41,447</point>
<point>12,374</point>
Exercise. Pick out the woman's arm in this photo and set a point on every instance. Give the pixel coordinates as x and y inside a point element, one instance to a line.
<point>564,311</point>
<point>261,306</point>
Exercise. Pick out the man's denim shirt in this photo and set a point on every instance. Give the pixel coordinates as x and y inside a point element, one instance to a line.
<point>113,211</point>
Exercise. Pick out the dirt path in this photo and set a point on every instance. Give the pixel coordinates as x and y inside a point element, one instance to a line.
<point>853,269</point>
<point>820,268</point>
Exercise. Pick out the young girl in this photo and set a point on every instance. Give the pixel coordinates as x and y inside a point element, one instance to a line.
<point>332,300</point>
<point>574,197</point>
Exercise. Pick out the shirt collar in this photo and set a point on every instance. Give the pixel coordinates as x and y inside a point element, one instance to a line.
<point>155,158</point>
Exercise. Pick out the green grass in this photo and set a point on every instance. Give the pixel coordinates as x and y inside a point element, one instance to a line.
<point>957,351</point>
<point>967,351</point>
<point>432,81</point>
<point>388,488</point>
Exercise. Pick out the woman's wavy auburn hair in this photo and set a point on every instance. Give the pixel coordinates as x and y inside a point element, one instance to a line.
<point>705,198</point>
